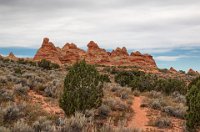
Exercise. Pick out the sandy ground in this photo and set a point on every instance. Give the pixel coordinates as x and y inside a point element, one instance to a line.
<point>47,106</point>
<point>142,115</point>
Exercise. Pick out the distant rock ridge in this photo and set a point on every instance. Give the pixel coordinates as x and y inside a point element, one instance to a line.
<point>70,54</point>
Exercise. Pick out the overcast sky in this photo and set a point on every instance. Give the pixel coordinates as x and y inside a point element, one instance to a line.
<point>147,25</point>
<point>131,23</point>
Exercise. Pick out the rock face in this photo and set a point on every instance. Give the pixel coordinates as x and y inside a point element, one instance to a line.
<point>70,54</point>
<point>48,51</point>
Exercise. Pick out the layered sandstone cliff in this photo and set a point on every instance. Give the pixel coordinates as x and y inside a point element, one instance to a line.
<point>70,54</point>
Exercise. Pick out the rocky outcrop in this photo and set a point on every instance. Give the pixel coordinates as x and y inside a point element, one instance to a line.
<point>142,59</point>
<point>96,55</point>
<point>48,51</point>
<point>192,72</point>
<point>70,53</point>
<point>11,56</point>
<point>173,70</point>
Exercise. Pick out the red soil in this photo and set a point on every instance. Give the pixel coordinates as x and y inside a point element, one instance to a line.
<point>140,119</point>
<point>46,106</point>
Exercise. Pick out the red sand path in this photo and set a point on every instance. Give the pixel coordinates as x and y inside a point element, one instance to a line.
<point>140,119</point>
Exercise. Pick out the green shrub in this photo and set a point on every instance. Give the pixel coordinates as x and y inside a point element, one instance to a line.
<point>82,89</point>
<point>18,71</point>
<point>144,82</point>
<point>193,103</point>
<point>45,64</point>
<point>105,78</point>
<point>124,78</point>
<point>169,86</point>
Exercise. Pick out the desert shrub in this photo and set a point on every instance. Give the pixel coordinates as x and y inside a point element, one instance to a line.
<point>21,90</point>
<point>137,80</point>
<point>156,104</point>
<point>178,98</point>
<point>169,86</point>
<point>178,111</point>
<point>113,70</point>
<point>122,92</point>
<point>124,95</point>
<point>193,103</point>
<point>77,123</point>
<point>6,95</point>
<point>105,78</point>
<point>115,104</point>
<point>82,89</point>
<point>124,78</point>
<point>11,113</point>
<point>18,71</point>
<point>3,80</point>
<point>104,111</point>
<point>21,126</point>
<point>21,61</point>
<point>4,129</point>
<point>54,66</point>
<point>144,82</point>
<point>43,125</point>
<point>45,64</point>
<point>162,122</point>
<point>154,94</point>
<point>194,82</point>
<point>107,69</point>
<point>136,93</point>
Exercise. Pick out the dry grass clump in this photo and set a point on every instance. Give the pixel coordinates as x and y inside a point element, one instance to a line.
<point>22,126</point>
<point>21,90</point>
<point>43,124</point>
<point>177,111</point>
<point>6,95</point>
<point>12,113</point>
<point>173,105</point>
<point>121,127</point>
<point>104,111</point>
<point>161,122</point>
<point>4,129</point>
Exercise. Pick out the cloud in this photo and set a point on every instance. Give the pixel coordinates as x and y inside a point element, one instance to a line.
<point>170,58</point>
<point>149,25</point>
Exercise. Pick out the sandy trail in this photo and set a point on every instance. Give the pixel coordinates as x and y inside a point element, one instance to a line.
<point>140,119</point>
<point>46,106</point>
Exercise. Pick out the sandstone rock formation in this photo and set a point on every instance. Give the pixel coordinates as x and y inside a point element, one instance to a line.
<point>96,55</point>
<point>11,56</point>
<point>173,70</point>
<point>48,51</point>
<point>70,53</point>
<point>192,72</point>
